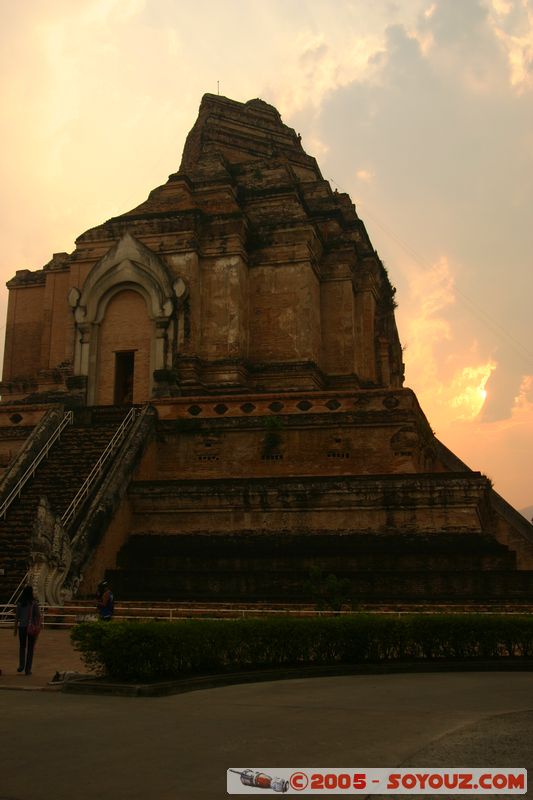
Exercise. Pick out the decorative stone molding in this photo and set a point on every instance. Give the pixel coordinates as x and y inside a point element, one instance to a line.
<point>166,383</point>
<point>51,556</point>
<point>128,265</point>
<point>129,261</point>
<point>405,442</point>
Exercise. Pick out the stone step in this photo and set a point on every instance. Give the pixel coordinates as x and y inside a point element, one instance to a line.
<point>275,540</point>
<point>339,551</point>
<point>269,585</point>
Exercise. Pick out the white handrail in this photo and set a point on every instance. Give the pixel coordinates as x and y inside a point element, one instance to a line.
<point>67,615</point>
<point>14,597</point>
<point>67,420</point>
<point>111,448</point>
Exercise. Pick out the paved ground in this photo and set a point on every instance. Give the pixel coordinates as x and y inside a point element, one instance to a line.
<point>53,653</point>
<point>56,746</point>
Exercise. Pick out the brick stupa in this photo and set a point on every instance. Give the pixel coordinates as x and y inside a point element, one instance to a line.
<point>243,309</point>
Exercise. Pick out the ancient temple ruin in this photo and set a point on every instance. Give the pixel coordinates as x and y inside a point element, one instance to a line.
<point>215,379</point>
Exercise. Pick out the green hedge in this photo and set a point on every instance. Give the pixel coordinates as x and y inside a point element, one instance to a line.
<point>153,650</point>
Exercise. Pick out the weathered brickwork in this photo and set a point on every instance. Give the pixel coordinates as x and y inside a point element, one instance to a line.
<point>244,301</point>
<point>224,310</point>
<point>337,318</point>
<point>24,328</point>
<point>256,275</point>
<point>125,328</point>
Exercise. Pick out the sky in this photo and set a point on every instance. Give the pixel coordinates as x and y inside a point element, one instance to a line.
<point>422,111</point>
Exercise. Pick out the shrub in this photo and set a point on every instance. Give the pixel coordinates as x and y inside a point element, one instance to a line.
<point>145,651</point>
<point>328,591</point>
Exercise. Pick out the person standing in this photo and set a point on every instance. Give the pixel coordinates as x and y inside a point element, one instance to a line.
<point>27,623</point>
<point>106,601</point>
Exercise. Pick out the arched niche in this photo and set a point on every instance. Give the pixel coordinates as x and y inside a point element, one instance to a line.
<point>128,267</point>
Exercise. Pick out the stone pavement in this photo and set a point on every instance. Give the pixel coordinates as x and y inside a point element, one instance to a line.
<point>53,653</point>
<point>179,747</point>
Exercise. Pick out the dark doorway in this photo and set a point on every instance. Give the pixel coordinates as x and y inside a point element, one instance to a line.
<point>124,368</point>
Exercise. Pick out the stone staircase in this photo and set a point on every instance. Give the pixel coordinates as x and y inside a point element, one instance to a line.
<point>58,478</point>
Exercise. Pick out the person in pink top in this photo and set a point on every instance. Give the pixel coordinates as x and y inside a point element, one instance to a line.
<point>27,623</point>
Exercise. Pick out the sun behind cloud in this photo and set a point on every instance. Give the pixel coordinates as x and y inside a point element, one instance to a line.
<point>468,392</point>
<point>452,386</point>
<point>365,175</point>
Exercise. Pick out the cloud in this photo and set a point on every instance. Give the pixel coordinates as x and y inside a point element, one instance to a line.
<point>468,390</point>
<point>485,446</point>
<point>502,388</point>
<point>451,137</point>
<point>365,175</point>
<point>320,67</point>
<point>314,53</point>
<point>513,26</point>
<point>524,400</point>
<point>450,376</point>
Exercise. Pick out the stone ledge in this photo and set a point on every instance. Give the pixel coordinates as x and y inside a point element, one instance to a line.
<point>102,686</point>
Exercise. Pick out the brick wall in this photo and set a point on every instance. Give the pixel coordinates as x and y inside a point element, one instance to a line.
<point>23,333</point>
<point>126,326</point>
<point>224,325</point>
<point>327,451</point>
<point>105,554</point>
<point>337,314</point>
<point>58,322</point>
<point>284,314</point>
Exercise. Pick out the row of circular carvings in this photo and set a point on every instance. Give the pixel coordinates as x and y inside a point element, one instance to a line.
<point>390,402</point>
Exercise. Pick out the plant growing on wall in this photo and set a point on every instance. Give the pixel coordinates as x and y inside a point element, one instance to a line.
<point>329,591</point>
<point>272,438</point>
